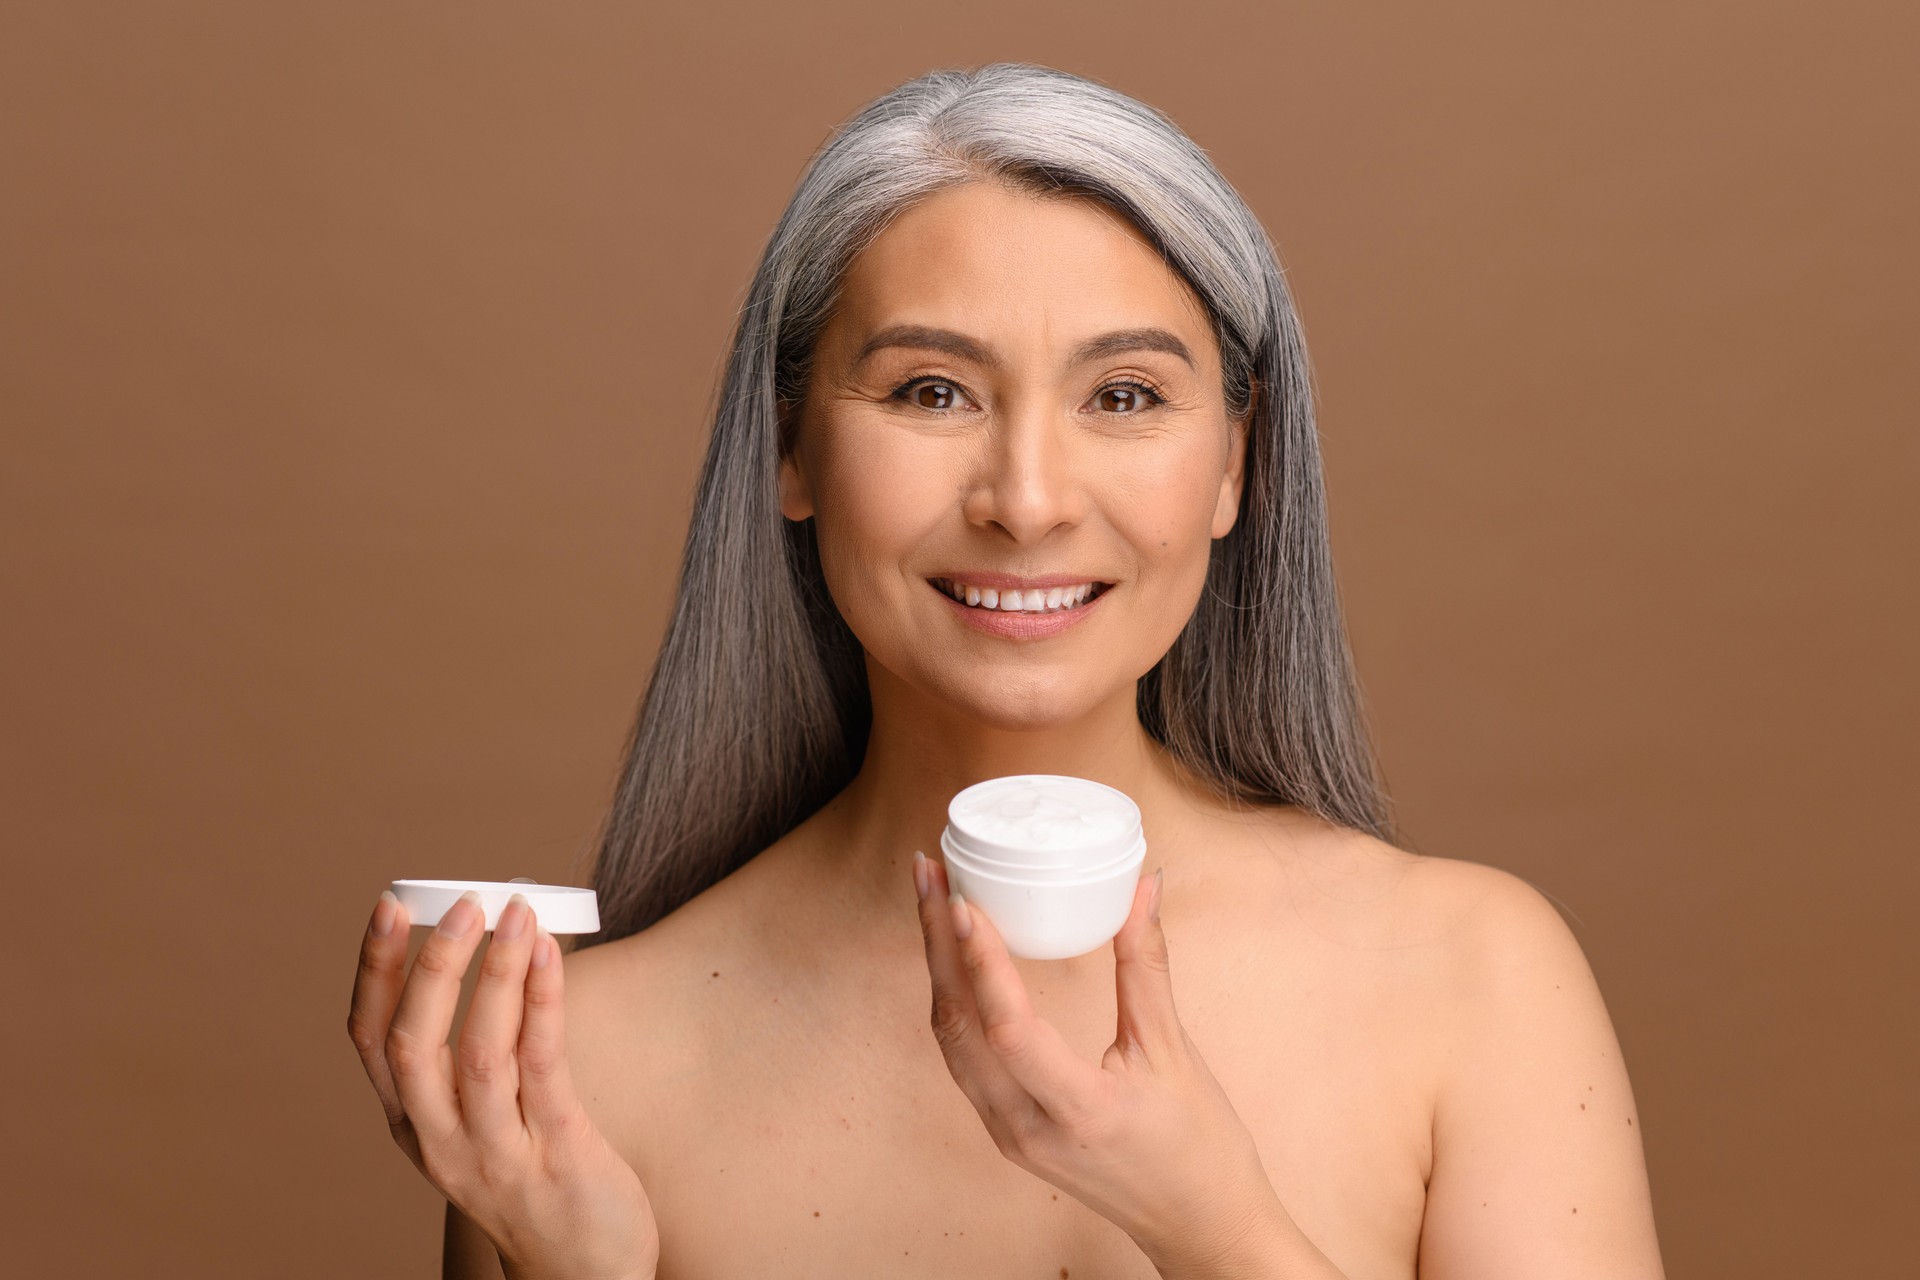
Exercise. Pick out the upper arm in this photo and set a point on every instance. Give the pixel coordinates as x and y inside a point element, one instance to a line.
<point>1538,1169</point>
<point>466,1253</point>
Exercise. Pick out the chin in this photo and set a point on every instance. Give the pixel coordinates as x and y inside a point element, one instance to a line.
<point>1018,704</point>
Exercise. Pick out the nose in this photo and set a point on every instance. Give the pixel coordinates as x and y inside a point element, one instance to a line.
<point>1025,480</point>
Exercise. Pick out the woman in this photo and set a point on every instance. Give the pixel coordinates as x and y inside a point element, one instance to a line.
<point>1015,349</point>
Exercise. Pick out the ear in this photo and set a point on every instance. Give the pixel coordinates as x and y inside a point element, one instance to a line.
<point>1227,510</point>
<point>796,495</point>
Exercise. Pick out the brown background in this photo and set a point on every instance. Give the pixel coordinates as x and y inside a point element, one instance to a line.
<point>354,362</point>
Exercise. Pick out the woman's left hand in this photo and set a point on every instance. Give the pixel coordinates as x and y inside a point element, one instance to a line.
<point>1147,1138</point>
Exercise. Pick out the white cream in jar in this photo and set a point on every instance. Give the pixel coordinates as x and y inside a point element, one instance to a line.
<point>1051,860</point>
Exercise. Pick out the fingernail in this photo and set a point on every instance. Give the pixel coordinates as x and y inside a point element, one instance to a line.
<point>920,880</point>
<point>456,922</point>
<point>511,920</point>
<point>385,912</point>
<point>543,945</point>
<point>1153,896</point>
<point>962,919</point>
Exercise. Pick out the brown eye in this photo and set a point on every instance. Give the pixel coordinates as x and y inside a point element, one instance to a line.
<point>932,395</point>
<point>1133,397</point>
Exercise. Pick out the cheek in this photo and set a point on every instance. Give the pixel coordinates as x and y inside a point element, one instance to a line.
<point>874,505</point>
<point>1165,512</point>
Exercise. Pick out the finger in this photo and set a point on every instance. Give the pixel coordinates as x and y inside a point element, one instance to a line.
<point>1027,1046</point>
<point>547,1097</point>
<point>485,1056</point>
<point>376,990</point>
<point>956,1018</point>
<point>1148,1024</point>
<point>417,1047</point>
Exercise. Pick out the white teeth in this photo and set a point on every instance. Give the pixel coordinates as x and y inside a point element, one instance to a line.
<point>1037,600</point>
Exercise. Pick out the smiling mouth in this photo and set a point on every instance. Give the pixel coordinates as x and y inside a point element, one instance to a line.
<point>1032,600</point>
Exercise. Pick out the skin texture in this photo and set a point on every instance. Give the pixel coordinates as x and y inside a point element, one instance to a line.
<point>1328,1057</point>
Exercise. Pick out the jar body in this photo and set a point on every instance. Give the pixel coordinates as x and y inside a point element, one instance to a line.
<point>1052,860</point>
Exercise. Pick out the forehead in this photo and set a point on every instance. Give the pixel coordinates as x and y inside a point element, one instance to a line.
<point>989,260</point>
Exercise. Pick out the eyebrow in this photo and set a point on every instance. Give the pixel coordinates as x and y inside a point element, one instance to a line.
<point>926,337</point>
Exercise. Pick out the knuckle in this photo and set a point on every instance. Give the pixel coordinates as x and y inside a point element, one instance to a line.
<point>974,961</point>
<point>544,998</point>
<point>1150,952</point>
<point>364,1033</point>
<point>950,1020</point>
<point>1008,1039</point>
<point>1038,1139</point>
<point>405,1137</point>
<point>539,1058</point>
<point>997,1129</point>
<point>479,1062</point>
<point>497,964</point>
<point>1011,1136</point>
<point>407,1055</point>
<point>374,965</point>
<point>438,960</point>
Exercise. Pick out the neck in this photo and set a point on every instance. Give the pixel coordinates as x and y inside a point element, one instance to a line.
<point>921,751</point>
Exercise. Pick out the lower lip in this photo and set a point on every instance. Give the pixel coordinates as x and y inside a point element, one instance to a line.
<point>1019,625</point>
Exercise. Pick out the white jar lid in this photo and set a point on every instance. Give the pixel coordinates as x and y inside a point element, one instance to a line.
<point>557,908</point>
<point>1043,819</point>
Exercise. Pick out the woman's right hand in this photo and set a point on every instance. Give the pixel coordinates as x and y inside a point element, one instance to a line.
<point>495,1124</point>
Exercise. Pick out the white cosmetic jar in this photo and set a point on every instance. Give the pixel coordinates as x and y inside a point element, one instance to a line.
<point>1053,861</point>
<point>1035,875</point>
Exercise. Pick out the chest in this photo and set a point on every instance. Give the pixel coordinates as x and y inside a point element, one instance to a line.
<point>823,1135</point>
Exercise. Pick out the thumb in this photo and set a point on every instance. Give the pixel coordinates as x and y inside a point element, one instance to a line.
<point>1148,1023</point>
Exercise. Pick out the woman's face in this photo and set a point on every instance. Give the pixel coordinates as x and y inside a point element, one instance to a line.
<point>966,427</point>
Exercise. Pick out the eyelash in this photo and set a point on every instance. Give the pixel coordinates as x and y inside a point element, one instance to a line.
<point>1154,396</point>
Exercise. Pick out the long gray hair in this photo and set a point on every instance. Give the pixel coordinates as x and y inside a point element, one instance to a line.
<point>757,710</point>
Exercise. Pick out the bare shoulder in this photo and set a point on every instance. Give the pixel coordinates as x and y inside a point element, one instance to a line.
<point>1538,1166</point>
<point>1500,937</point>
<point>1487,939</point>
<point>1481,911</point>
<point>643,1011</point>
<point>1363,892</point>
